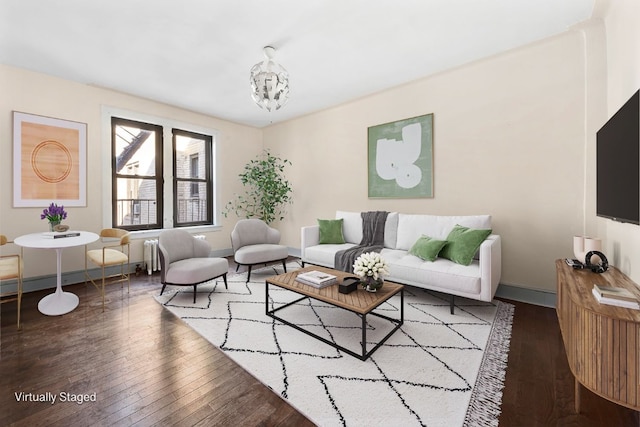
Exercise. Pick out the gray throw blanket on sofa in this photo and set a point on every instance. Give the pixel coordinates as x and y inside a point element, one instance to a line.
<point>372,240</point>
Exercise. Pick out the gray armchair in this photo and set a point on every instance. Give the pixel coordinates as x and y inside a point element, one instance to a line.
<point>185,261</point>
<point>254,242</point>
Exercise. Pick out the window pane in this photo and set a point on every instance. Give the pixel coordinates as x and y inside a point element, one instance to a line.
<point>192,163</point>
<point>136,201</point>
<point>135,151</point>
<point>137,178</point>
<point>192,206</point>
<point>189,152</point>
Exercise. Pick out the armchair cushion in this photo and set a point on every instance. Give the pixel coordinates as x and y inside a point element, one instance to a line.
<point>195,270</point>
<point>258,254</point>
<point>111,256</point>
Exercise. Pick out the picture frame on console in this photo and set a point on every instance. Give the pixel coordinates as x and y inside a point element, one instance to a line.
<point>400,158</point>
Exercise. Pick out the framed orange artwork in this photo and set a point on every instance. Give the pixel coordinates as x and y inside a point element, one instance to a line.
<point>49,161</point>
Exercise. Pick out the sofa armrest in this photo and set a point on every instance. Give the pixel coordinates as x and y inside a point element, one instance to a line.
<point>309,236</point>
<point>490,266</point>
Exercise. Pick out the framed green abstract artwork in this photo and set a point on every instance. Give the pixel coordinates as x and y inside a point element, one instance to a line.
<point>400,158</point>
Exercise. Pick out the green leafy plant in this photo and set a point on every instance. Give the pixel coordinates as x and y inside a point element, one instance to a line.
<point>267,190</point>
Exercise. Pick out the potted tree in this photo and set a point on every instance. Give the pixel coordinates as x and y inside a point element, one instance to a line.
<point>267,192</point>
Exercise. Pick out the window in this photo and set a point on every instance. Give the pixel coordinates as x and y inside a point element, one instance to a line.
<point>136,174</point>
<point>192,179</point>
<point>145,195</point>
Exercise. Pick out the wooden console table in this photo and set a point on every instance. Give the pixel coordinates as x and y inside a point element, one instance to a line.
<point>602,342</point>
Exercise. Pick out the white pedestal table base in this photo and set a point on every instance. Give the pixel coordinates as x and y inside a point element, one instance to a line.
<point>59,302</point>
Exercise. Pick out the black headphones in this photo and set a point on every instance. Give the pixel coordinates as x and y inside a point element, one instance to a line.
<point>596,268</point>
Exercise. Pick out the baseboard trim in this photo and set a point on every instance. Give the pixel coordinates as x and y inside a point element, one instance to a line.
<point>33,284</point>
<point>530,296</point>
<point>39,283</point>
<point>295,252</point>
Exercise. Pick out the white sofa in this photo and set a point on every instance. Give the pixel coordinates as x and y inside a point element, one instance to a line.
<point>477,281</point>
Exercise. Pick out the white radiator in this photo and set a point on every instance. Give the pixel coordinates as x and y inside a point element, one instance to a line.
<point>151,254</point>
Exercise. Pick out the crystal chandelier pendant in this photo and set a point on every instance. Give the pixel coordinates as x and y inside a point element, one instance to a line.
<point>269,82</point>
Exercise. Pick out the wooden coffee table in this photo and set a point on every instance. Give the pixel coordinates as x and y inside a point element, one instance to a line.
<point>359,302</point>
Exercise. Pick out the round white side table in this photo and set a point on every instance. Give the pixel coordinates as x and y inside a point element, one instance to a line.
<point>59,302</point>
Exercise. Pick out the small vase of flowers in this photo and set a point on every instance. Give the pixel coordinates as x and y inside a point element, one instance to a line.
<point>371,268</point>
<point>54,214</point>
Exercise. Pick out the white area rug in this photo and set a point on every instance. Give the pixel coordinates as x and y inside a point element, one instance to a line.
<point>438,369</point>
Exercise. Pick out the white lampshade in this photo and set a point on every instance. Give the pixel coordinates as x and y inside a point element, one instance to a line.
<point>269,82</point>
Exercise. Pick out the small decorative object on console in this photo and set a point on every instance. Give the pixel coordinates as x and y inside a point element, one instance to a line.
<point>371,268</point>
<point>583,245</point>
<point>599,266</point>
<point>575,263</point>
<point>605,296</point>
<point>615,293</point>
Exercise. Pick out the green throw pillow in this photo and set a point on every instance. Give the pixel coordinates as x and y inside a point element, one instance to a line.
<point>427,248</point>
<point>331,231</point>
<point>463,243</point>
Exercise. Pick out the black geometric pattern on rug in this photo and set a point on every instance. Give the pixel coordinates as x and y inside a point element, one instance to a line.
<point>320,317</point>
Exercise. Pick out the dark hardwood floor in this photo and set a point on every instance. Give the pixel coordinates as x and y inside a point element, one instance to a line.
<point>539,386</point>
<point>147,367</point>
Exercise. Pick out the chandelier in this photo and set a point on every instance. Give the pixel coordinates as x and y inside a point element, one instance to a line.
<point>269,82</point>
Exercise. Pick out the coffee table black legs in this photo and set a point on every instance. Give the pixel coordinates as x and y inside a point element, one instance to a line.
<point>364,355</point>
<point>397,322</point>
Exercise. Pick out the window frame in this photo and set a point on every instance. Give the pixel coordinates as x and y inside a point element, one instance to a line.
<point>107,112</point>
<point>207,180</point>
<point>158,177</point>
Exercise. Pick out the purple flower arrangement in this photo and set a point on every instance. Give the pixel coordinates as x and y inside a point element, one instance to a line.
<point>54,213</point>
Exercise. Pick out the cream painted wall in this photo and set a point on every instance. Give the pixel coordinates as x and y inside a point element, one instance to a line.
<point>49,96</point>
<point>621,241</point>
<point>509,140</point>
<point>514,137</point>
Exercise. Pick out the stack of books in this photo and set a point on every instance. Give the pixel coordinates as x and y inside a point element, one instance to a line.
<point>317,279</point>
<point>615,296</point>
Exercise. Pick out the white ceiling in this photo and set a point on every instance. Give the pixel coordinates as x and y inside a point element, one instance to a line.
<point>196,54</point>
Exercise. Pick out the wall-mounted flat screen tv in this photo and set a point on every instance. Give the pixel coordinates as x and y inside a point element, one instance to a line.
<point>618,164</point>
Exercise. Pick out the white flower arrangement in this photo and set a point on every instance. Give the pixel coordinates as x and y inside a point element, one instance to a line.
<point>370,264</point>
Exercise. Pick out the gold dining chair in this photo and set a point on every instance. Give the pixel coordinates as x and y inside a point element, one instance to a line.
<point>11,267</point>
<point>114,251</point>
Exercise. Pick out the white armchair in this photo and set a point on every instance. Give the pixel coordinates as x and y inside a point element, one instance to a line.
<point>254,242</point>
<point>186,261</point>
